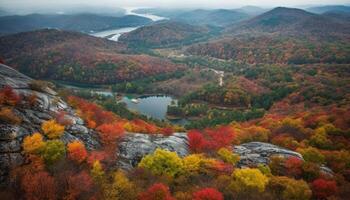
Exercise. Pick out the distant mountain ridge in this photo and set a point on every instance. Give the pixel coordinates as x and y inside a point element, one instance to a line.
<point>213,17</point>
<point>77,22</point>
<point>324,9</point>
<point>292,21</point>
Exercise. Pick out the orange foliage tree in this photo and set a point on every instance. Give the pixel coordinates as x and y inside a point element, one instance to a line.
<point>33,144</point>
<point>77,151</point>
<point>109,133</point>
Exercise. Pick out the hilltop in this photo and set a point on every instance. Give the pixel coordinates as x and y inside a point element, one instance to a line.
<point>165,34</point>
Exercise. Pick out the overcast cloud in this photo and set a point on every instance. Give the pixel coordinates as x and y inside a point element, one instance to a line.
<point>42,4</point>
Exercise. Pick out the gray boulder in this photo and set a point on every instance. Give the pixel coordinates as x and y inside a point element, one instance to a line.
<point>254,153</point>
<point>134,146</point>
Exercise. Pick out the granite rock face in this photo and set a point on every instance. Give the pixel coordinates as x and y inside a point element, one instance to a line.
<point>254,153</point>
<point>46,106</point>
<point>134,146</point>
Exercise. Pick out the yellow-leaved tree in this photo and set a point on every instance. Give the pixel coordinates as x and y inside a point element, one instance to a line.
<point>163,162</point>
<point>249,179</point>
<point>121,188</point>
<point>227,156</point>
<point>33,144</point>
<point>52,129</point>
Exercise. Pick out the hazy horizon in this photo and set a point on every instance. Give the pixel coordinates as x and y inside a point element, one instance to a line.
<point>23,6</point>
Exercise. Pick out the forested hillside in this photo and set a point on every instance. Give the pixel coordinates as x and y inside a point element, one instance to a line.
<point>75,22</point>
<point>75,57</point>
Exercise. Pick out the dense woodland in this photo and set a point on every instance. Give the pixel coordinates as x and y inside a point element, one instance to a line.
<point>74,57</point>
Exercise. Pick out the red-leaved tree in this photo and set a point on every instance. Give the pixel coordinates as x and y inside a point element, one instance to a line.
<point>210,139</point>
<point>321,188</point>
<point>157,191</point>
<point>207,194</point>
<point>39,186</point>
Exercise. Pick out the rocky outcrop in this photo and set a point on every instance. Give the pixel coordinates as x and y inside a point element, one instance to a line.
<point>254,153</point>
<point>46,106</point>
<point>134,146</point>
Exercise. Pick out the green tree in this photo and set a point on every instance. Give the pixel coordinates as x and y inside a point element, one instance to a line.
<point>54,151</point>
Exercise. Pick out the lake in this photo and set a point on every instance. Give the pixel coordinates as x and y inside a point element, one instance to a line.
<point>114,34</point>
<point>153,106</point>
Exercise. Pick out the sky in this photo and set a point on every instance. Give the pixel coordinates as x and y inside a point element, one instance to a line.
<point>49,4</point>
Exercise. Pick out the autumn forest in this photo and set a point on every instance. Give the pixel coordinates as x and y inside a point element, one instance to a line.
<point>159,103</point>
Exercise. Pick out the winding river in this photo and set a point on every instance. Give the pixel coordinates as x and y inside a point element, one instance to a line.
<point>114,34</point>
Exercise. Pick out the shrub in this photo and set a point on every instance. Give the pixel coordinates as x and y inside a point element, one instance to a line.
<point>294,167</point>
<point>120,189</point>
<point>207,194</point>
<point>322,189</point>
<point>311,154</point>
<point>227,156</point>
<point>248,179</point>
<point>157,191</point>
<point>97,172</point>
<point>289,189</point>
<point>39,186</point>
<point>162,162</point>
<point>210,139</point>
<point>33,144</point>
<point>52,129</point>
<point>54,151</point>
<point>109,133</point>
<point>77,151</point>
<point>192,163</point>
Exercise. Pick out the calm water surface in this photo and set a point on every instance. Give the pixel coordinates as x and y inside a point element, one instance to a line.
<point>153,106</point>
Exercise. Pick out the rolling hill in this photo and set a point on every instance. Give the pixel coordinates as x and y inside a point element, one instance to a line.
<point>282,35</point>
<point>292,21</point>
<point>75,57</point>
<point>75,22</point>
<point>165,34</point>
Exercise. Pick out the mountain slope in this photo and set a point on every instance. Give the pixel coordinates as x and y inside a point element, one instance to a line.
<point>74,22</point>
<point>75,57</point>
<point>164,34</point>
<point>292,21</point>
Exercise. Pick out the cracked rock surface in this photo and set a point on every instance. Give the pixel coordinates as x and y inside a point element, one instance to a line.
<point>47,105</point>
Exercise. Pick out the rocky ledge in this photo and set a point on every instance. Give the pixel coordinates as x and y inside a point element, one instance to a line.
<point>134,146</point>
<point>47,105</point>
